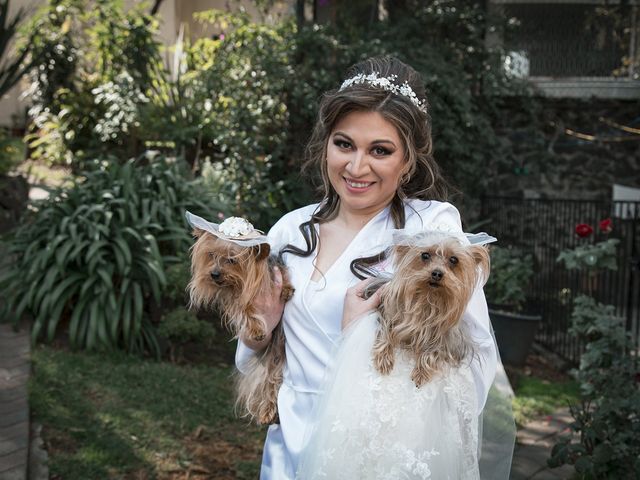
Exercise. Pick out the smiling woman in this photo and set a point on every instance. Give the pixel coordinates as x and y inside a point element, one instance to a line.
<point>372,147</point>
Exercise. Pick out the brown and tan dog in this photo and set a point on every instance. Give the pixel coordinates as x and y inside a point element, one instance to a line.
<point>422,305</point>
<point>230,276</point>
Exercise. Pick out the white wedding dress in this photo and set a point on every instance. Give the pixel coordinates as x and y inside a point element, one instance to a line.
<point>373,426</point>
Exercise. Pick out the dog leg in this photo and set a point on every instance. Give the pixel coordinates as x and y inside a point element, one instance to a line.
<point>383,354</point>
<point>275,360</point>
<point>287,292</point>
<point>423,370</point>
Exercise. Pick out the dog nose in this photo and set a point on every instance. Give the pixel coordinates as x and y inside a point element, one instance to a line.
<point>215,275</point>
<point>437,275</point>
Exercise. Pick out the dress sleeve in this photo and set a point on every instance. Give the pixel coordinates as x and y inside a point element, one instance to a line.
<point>476,316</point>
<point>277,237</point>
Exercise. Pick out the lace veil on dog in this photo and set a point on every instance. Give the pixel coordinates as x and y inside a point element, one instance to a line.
<point>381,426</point>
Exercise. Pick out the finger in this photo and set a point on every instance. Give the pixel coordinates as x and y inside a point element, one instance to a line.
<point>376,298</point>
<point>361,286</point>
<point>277,277</point>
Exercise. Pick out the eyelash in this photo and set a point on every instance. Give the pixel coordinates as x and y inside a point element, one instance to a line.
<point>347,145</point>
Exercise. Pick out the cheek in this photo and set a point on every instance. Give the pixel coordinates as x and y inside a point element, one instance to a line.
<point>335,162</point>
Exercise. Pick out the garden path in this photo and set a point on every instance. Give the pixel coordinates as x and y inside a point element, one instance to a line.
<point>15,366</point>
<point>533,447</point>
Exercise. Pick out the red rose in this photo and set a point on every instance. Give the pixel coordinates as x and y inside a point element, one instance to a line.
<point>584,230</point>
<point>606,225</point>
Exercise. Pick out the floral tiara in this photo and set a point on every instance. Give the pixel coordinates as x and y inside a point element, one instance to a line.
<point>388,84</point>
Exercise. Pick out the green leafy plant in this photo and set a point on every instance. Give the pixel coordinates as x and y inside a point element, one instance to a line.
<point>511,274</point>
<point>607,418</point>
<point>78,49</point>
<point>11,69</point>
<point>178,276</point>
<point>598,256</point>
<point>181,326</point>
<point>93,255</point>
<point>11,152</point>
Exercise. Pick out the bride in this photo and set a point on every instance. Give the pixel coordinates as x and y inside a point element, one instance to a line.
<point>372,148</point>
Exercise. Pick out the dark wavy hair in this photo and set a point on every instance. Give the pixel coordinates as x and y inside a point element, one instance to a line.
<point>422,180</point>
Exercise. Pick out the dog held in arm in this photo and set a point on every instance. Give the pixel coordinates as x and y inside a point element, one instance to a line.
<point>231,265</point>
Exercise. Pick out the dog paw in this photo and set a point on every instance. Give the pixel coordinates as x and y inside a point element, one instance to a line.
<point>255,331</point>
<point>287,293</point>
<point>419,376</point>
<point>269,415</point>
<point>383,362</point>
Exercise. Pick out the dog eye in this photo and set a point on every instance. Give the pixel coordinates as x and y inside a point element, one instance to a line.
<point>232,261</point>
<point>453,260</point>
<point>426,256</point>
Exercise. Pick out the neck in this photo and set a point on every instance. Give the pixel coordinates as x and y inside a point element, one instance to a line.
<point>354,221</point>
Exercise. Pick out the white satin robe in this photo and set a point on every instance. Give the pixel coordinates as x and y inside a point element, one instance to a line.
<point>312,325</point>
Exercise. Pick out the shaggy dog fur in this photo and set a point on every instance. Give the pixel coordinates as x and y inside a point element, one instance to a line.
<point>423,303</point>
<point>230,277</point>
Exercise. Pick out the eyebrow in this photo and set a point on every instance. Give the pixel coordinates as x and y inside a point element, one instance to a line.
<point>374,142</point>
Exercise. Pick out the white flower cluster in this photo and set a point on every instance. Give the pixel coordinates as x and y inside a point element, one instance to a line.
<point>121,98</point>
<point>235,227</point>
<point>388,84</point>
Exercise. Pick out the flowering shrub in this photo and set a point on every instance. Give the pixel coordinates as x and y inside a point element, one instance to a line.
<point>607,420</point>
<point>583,230</point>
<point>120,99</point>
<point>592,257</point>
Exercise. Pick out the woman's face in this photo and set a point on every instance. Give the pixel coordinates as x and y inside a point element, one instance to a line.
<point>365,160</point>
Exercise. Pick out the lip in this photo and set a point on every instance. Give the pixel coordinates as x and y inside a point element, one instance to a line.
<point>351,188</point>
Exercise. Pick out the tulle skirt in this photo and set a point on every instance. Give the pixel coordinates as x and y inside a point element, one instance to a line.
<point>373,426</point>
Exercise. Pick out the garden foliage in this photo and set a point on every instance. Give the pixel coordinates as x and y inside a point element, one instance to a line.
<point>246,101</point>
<point>81,48</point>
<point>92,257</point>
<point>238,108</point>
<point>511,274</point>
<point>607,419</point>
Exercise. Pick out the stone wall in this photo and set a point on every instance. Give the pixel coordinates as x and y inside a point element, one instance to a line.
<point>572,149</point>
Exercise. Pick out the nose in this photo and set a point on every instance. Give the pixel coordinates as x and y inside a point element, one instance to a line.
<point>437,275</point>
<point>359,164</point>
<point>215,275</point>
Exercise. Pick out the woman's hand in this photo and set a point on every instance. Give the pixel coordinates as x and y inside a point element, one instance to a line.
<point>269,307</point>
<point>355,305</point>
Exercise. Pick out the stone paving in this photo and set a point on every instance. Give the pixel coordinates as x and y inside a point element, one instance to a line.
<point>14,405</point>
<point>533,448</point>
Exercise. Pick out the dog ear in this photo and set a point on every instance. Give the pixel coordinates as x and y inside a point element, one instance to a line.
<point>483,261</point>
<point>262,251</point>
<point>197,232</point>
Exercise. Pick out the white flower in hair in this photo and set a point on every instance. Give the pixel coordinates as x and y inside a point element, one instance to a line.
<point>235,227</point>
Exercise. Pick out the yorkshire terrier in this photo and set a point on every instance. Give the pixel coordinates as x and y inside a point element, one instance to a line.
<point>422,305</point>
<point>229,275</point>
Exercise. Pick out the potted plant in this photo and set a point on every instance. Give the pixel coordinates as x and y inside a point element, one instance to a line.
<point>515,330</point>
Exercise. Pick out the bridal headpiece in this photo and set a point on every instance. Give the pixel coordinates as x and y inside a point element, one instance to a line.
<point>386,83</point>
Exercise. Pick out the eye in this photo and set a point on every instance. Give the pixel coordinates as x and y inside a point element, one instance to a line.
<point>453,260</point>
<point>425,256</point>
<point>340,143</point>
<point>380,151</point>
<point>232,261</point>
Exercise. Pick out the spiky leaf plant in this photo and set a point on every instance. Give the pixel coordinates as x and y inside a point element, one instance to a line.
<point>92,257</point>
